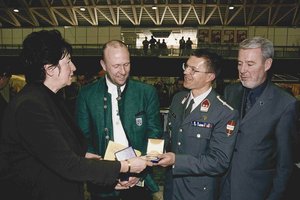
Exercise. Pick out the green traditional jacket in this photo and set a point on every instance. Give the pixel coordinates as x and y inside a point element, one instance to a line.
<point>138,110</point>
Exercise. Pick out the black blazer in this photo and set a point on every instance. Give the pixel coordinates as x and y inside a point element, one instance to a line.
<point>44,151</point>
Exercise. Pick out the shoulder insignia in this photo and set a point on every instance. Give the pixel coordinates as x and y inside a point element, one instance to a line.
<point>224,103</point>
<point>230,127</point>
<point>185,98</point>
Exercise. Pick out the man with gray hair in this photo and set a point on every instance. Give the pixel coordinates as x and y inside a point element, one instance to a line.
<point>262,161</point>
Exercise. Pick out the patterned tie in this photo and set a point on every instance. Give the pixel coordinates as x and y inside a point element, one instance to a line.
<point>119,93</point>
<point>189,108</point>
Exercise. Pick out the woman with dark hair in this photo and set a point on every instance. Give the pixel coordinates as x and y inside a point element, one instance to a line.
<point>43,150</point>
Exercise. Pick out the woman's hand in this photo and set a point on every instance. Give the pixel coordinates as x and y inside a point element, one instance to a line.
<point>134,165</point>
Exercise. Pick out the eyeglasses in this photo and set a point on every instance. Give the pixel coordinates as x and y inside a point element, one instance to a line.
<point>192,69</point>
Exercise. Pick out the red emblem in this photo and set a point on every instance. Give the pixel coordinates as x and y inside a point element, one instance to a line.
<point>205,104</point>
<point>230,127</point>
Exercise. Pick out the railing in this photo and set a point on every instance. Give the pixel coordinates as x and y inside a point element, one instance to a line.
<point>226,50</point>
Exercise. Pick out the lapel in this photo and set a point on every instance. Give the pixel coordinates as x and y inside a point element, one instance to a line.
<point>183,105</point>
<point>264,99</point>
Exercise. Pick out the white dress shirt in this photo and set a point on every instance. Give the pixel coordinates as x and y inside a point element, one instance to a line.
<point>119,133</point>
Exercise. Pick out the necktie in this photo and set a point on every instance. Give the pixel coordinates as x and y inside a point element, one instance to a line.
<point>119,93</point>
<point>248,102</point>
<point>189,108</point>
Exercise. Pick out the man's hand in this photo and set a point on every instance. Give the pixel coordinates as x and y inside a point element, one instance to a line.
<point>166,159</point>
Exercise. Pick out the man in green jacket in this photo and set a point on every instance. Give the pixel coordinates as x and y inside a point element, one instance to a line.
<point>122,110</point>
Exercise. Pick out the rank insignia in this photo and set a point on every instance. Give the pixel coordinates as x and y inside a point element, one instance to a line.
<point>205,104</point>
<point>139,121</point>
<point>230,127</point>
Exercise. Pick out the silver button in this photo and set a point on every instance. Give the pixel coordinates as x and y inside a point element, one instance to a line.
<point>105,99</point>
<point>179,143</point>
<point>180,130</point>
<point>107,137</point>
<point>170,123</point>
<point>105,106</point>
<point>204,188</point>
<point>198,135</point>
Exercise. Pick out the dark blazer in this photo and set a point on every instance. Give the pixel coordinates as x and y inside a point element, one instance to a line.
<point>262,162</point>
<point>45,151</point>
<point>3,105</point>
<point>202,146</point>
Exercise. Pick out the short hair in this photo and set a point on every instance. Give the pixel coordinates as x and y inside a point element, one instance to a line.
<point>213,60</point>
<point>41,48</point>
<point>264,44</point>
<point>114,44</point>
<point>5,71</point>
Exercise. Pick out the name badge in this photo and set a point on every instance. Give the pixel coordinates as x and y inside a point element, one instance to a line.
<point>202,124</point>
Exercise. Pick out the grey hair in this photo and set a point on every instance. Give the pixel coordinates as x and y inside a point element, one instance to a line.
<point>266,46</point>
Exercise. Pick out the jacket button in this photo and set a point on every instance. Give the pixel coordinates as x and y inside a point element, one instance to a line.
<point>179,143</point>
<point>198,135</point>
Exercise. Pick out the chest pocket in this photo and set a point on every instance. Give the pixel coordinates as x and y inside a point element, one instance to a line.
<point>197,140</point>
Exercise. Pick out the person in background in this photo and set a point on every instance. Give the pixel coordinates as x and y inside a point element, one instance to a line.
<point>164,48</point>
<point>123,110</point>
<point>182,47</point>
<point>202,133</point>
<point>5,90</point>
<point>263,159</point>
<point>153,45</point>
<point>42,150</point>
<point>188,46</point>
<point>145,46</point>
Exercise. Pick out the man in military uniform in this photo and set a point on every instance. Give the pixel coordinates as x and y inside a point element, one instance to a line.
<point>202,133</point>
<point>122,110</point>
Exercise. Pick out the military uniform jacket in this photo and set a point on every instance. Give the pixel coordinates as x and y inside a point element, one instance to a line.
<point>139,114</point>
<point>262,162</point>
<point>203,143</point>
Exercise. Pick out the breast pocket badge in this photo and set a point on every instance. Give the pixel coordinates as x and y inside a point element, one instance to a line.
<point>139,121</point>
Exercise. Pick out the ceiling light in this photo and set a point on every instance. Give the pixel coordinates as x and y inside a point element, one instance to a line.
<point>154,7</point>
<point>16,10</point>
<point>231,7</point>
<point>82,9</point>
